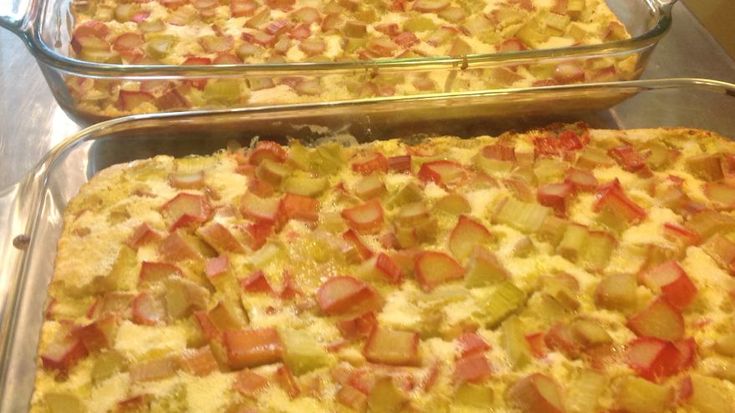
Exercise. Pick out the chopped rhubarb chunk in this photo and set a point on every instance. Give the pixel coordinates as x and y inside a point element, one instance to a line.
<point>257,233</point>
<point>672,282</point>
<point>148,310</point>
<point>253,347</point>
<point>388,268</point>
<point>368,163</point>
<point>659,320</point>
<point>524,216</point>
<point>442,173</point>
<point>652,358</point>
<point>581,179</point>
<point>259,209</point>
<point>354,239</point>
<point>193,180</point>
<point>286,380</point>
<point>680,234</point>
<point>612,198</point>
<point>471,343</point>
<point>393,347</point>
<point>344,295</point>
<point>298,207</point>
<point>151,272</point>
<point>199,362</point>
<point>707,167</point>
<point>129,100</point>
<point>219,237</point>
<point>267,150</point>
<point>707,223</point>
<point>352,398</point>
<point>500,152</point>
<point>240,8</point>
<point>249,383</point>
<point>401,163</point>
<point>97,334</point>
<point>152,370</point>
<point>537,344</point>
<point>62,355</point>
<point>565,142</point>
<point>472,368</point>
<point>185,209</point>
<point>555,196</point>
<point>216,266</point>
<point>365,218</point>
<point>721,194</point>
<point>142,235</point>
<point>206,325</point>
<point>358,327</point>
<point>628,158</point>
<point>536,393</point>
<point>433,268</point>
<point>466,235</point>
<point>369,187</point>
<point>256,283</point>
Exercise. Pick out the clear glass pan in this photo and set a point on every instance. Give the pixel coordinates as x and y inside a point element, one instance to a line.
<point>31,211</point>
<point>90,91</point>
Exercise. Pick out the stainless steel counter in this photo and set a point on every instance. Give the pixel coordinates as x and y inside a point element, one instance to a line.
<point>31,122</point>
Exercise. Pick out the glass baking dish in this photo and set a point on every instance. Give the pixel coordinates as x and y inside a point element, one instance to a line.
<point>31,212</point>
<point>90,91</point>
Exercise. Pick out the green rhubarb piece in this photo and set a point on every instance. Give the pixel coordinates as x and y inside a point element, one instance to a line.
<point>532,34</point>
<point>327,158</point>
<point>306,186</point>
<point>353,44</point>
<point>355,29</point>
<point>474,395</point>
<point>523,216</point>
<point>222,91</point>
<point>302,353</point>
<point>617,291</point>
<point>709,222</point>
<point>504,300</point>
<point>573,242</point>
<point>272,171</point>
<point>123,275</point>
<point>419,24</point>
<point>63,403</point>
<point>514,342</point>
<point>710,395</point>
<point>597,251</point>
<point>725,345</point>
<point>636,395</point>
<point>550,170</point>
<point>107,364</point>
<point>556,21</point>
<point>160,46</point>
<point>484,269</point>
<point>492,167</point>
<point>385,397</point>
<point>552,230</point>
<point>585,391</point>
<point>409,193</point>
<point>260,83</point>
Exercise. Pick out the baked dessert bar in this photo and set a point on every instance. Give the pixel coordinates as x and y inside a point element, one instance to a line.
<point>556,270</point>
<point>203,32</point>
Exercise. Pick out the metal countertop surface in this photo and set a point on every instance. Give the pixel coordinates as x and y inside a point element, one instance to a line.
<point>31,122</point>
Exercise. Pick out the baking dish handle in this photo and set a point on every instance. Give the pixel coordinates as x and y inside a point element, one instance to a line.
<point>15,15</point>
<point>665,4</point>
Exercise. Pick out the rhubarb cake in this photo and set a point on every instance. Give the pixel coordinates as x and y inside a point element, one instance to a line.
<point>204,32</point>
<point>563,269</point>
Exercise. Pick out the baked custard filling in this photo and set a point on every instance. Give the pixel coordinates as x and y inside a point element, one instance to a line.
<point>204,32</point>
<point>563,269</point>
